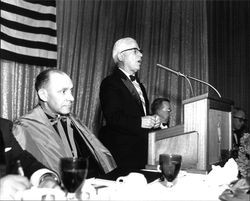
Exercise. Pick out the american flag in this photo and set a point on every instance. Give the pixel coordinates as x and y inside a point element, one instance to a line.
<point>28,31</point>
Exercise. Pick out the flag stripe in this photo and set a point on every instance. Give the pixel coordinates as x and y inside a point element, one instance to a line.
<point>35,5</point>
<point>27,13</point>
<point>28,30</point>
<point>27,36</point>
<point>26,20</point>
<point>5,54</point>
<point>28,43</point>
<point>28,51</point>
<point>43,2</point>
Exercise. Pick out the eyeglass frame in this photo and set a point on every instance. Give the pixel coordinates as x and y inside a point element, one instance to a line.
<point>240,119</point>
<point>134,48</point>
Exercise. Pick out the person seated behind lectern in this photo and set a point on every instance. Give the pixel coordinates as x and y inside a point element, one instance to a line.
<point>239,128</point>
<point>162,108</point>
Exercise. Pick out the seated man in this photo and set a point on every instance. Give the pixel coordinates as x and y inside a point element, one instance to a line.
<point>10,153</point>
<point>51,132</point>
<point>161,107</point>
<point>239,127</point>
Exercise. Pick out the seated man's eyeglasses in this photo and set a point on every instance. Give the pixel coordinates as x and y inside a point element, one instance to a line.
<point>136,50</point>
<point>240,119</point>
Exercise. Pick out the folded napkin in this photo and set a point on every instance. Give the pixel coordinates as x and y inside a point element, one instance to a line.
<point>129,187</point>
<point>223,175</point>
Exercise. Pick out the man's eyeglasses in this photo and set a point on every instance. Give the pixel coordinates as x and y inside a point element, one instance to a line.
<point>136,50</point>
<point>240,119</point>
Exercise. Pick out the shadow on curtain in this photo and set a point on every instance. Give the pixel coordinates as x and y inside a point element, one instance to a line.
<point>229,47</point>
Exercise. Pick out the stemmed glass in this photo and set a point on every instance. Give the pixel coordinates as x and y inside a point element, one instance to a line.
<point>73,173</point>
<point>170,165</point>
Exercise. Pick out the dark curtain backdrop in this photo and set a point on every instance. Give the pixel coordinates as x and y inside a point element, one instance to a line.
<point>229,50</point>
<point>173,33</point>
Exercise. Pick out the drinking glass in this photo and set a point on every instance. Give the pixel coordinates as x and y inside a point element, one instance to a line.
<point>73,173</point>
<point>170,165</point>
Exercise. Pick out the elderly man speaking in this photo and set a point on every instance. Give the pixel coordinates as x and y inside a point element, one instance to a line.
<point>125,106</point>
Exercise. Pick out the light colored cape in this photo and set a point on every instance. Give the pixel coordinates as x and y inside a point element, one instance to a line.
<point>35,133</point>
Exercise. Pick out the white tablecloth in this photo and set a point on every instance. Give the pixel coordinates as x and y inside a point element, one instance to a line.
<point>188,186</point>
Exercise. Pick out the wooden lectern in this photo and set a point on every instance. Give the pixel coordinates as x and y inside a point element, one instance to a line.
<point>203,140</point>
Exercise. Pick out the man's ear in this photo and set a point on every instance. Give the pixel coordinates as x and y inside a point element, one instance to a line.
<point>42,94</point>
<point>120,57</point>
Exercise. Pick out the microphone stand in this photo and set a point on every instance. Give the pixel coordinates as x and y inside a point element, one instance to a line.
<point>187,77</point>
<point>205,84</point>
<point>192,91</point>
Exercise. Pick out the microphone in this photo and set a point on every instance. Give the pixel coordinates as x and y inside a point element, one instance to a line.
<point>178,74</point>
<point>171,70</point>
<point>187,76</point>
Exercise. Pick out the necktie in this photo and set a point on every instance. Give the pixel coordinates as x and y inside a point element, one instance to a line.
<point>163,125</point>
<point>132,78</point>
<point>56,119</point>
<point>139,91</point>
<point>236,139</point>
<point>66,134</point>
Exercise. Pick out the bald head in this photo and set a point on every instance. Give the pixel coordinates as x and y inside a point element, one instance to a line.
<point>54,89</point>
<point>43,78</point>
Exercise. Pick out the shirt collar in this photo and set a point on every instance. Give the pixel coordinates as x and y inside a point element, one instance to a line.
<point>51,115</point>
<point>125,73</point>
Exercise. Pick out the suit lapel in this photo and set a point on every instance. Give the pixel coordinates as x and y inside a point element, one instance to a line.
<point>129,85</point>
<point>132,90</point>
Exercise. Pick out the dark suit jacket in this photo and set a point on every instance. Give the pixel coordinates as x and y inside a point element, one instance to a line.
<point>28,162</point>
<point>122,109</point>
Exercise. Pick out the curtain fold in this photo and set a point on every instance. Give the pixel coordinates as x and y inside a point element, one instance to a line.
<point>172,33</point>
<point>17,87</point>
